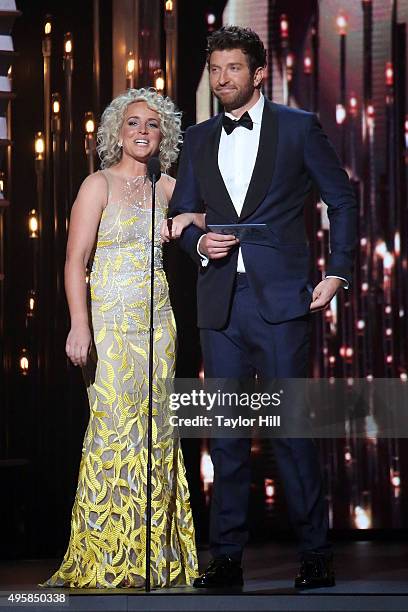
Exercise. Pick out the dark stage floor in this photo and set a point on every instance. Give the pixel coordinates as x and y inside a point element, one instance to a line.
<point>371,576</point>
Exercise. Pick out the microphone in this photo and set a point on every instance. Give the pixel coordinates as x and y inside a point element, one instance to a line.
<point>153,169</point>
<point>154,173</point>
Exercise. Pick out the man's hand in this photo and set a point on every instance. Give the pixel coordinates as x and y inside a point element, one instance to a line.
<point>324,292</point>
<point>216,246</point>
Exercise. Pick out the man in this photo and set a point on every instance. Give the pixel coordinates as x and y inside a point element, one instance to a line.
<point>255,163</point>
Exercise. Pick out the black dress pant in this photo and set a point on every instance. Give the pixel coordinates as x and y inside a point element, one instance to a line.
<point>249,345</point>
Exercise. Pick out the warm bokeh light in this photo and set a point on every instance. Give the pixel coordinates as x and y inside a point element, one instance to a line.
<point>362,518</point>
<point>39,146</point>
<point>56,107</point>
<point>370,113</point>
<point>406,132</point>
<point>395,478</point>
<point>388,261</point>
<point>89,123</point>
<point>31,303</point>
<point>389,74</point>
<point>353,105</point>
<point>346,351</point>
<point>284,26</point>
<point>159,81</point>
<point>381,248</point>
<point>269,490</point>
<point>33,224</point>
<point>341,22</point>
<point>397,243</point>
<point>24,363</point>
<point>169,6</point>
<point>68,44</point>
<point>130,65</point>
<point>307,64</point>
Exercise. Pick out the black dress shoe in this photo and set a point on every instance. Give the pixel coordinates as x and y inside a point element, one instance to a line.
<point>316,570</point>
<point>222,572</point>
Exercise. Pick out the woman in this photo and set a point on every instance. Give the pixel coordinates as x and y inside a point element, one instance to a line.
<point>113,206</point>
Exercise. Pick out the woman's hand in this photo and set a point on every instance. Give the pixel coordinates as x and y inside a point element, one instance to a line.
<point>172,228</point>
<point>78,344</point>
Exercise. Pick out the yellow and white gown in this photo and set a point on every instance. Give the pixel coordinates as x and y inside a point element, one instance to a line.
<point>108,528</point>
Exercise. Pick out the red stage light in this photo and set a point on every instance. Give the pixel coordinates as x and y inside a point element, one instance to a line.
<point>389,74</point>
<point>284,26</point>
<point>370,114</point>
<point>307,64</point>
<point>341,22</point>
<point>353,105</point>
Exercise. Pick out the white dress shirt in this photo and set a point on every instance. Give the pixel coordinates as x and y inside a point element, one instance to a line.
<point>236,160</point>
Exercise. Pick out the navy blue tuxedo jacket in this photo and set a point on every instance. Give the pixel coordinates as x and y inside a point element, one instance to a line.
<point>293,154</point>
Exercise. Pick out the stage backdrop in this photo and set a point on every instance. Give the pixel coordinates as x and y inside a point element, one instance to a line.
<point>345,61</point>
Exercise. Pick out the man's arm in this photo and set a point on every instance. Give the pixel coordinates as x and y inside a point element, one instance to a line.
<point>186,198</point>
<point>336,191</point>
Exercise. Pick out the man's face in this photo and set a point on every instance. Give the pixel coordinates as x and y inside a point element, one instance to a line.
<point>230,78</point>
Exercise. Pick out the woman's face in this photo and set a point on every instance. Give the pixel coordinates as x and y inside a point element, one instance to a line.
<point>140,132</point>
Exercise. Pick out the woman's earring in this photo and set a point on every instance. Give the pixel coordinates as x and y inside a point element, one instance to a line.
<point>120,144</point>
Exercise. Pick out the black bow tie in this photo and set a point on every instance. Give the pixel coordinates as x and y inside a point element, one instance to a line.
<point>229,124</point>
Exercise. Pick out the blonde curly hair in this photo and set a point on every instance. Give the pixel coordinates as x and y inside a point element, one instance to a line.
<point>108,147</point>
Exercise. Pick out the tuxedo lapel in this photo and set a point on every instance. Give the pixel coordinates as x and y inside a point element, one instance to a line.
<point>211,178</point>
<point>265,161</point>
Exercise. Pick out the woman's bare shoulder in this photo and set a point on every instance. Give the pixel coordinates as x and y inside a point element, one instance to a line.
<point>94,188</point>
<point>95,181</point>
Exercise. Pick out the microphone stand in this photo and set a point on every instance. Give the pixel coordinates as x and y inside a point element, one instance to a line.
<point>153,170</point>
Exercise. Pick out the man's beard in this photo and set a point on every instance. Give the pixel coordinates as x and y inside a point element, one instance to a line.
<point>241,98</point>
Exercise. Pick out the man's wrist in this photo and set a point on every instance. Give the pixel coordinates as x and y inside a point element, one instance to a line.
<point>204,259</point>
<point>344,285</point>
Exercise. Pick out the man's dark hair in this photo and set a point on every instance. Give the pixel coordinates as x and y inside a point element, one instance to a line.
<point>235,37</point>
